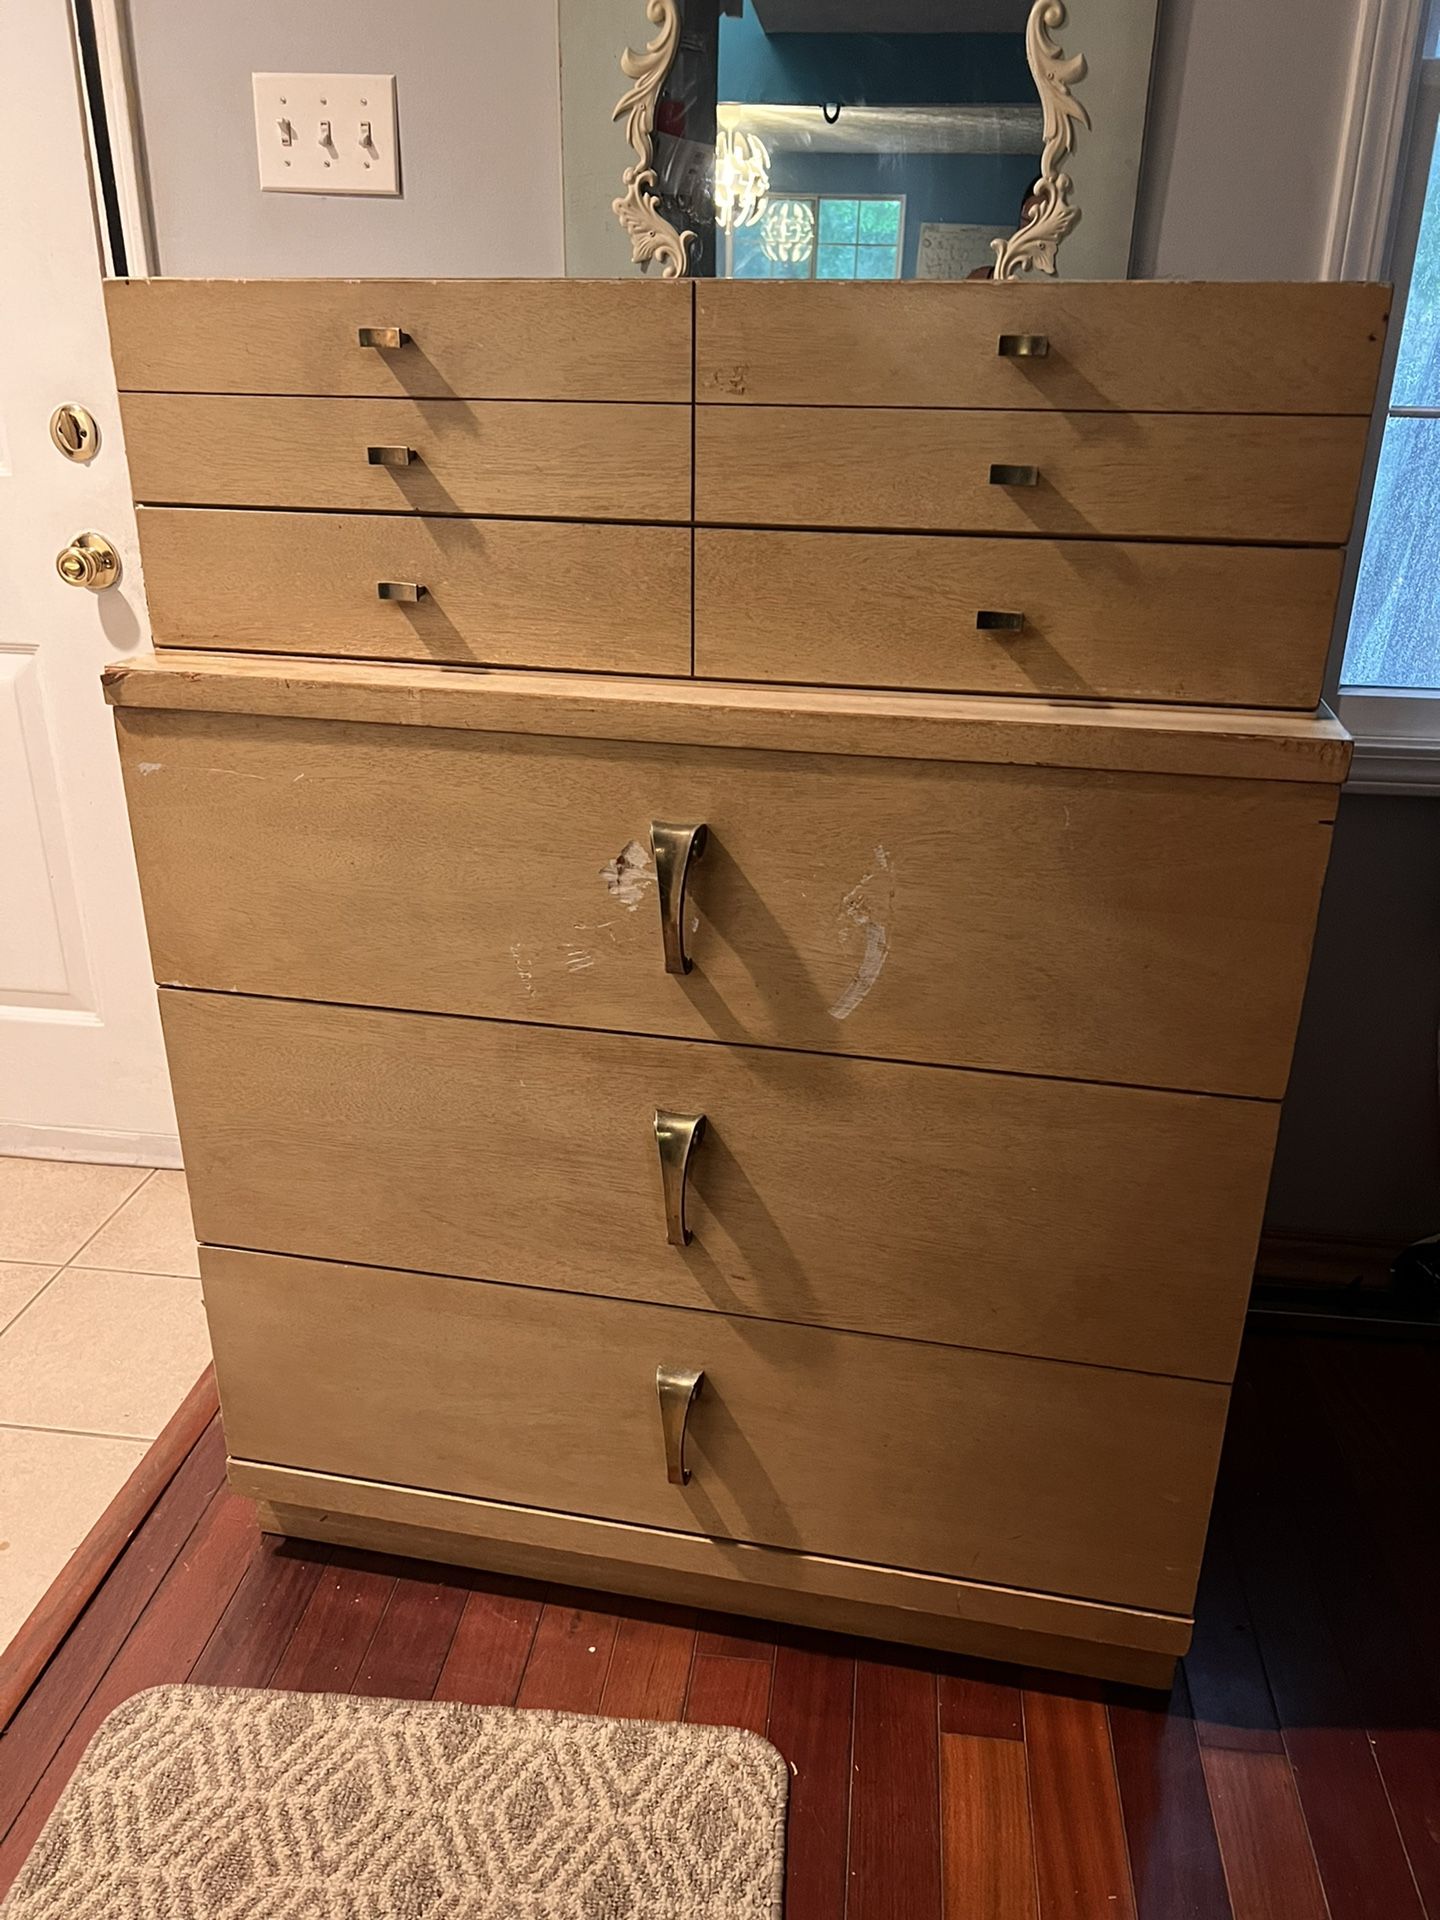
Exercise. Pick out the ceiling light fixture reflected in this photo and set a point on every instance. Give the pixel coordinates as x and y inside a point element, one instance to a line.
<point>787,232</point>
<point>742,177</point>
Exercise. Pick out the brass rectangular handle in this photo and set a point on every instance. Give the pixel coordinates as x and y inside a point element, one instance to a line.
<point>386,338</point>
<point>677,1135</point>
<point>989,620</point>
<point>1023,346</point>
<point>673,848</point>
<point>410,590</point>
<point>391,456</point>
<point>1003,475</point>
<point>679,1389</point>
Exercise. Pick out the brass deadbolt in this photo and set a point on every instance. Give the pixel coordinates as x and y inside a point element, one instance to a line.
<point>74,432</point>
<point>89,561</point>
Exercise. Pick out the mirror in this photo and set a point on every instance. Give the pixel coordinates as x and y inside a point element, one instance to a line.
<point>793,139</point>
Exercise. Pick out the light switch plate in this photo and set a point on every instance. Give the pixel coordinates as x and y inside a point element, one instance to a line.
<point>326,132</point>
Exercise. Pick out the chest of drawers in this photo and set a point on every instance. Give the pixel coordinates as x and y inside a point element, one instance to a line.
<point>729,972</point>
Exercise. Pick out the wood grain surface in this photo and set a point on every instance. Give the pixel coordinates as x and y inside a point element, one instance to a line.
<point>1070,1480</point>
<point>843,906</point>
<point>1070,1221</point>
<point>1128,1645</point>
<point>1133,346</point>
<point>567,460</point>
<point>528,593</point>
<point>987,729</point>
<point>469,339</point>
<point>1163,476</point>
<point>1103,619</point>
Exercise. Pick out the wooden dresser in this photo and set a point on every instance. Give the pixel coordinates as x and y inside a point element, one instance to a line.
<point>731,870</point>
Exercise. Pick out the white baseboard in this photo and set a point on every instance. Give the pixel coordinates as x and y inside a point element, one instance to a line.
<point>85,1143</point>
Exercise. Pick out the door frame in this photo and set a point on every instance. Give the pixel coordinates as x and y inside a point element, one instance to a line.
<point>113,136</point>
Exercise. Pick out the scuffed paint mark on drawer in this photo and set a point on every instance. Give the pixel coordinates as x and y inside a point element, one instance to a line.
<point>734,378</point>
<point>524,967</point>
<point>149,766</point>
<point>630,875</point>
<point>866,910</point>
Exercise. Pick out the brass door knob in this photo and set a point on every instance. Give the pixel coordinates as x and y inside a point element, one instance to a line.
<point>89,561</point>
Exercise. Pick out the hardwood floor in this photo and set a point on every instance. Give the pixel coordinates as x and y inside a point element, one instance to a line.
<point>1293,1774</point>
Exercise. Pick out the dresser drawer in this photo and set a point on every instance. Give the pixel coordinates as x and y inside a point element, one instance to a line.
<point>1103,619</point>
<point>1092,1223</point>
<point>1161,475</point>
<point>1136,346</point>
<point>1043,920</point>
<point>535,593</point>
<point>467,339</point>
<point>559,459</point>
<point>1024,1472</point>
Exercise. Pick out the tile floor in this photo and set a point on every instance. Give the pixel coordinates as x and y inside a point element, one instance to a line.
<point>102,1335</point>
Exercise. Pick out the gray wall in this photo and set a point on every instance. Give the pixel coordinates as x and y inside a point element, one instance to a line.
<point>1245,114</point>
<point>1239,159</point>
<point>478,86</point>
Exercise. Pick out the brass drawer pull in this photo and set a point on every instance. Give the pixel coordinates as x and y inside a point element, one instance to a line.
<point>679,1389</point>
<point>673,848</point>
<point>989,621</point>
<point>410,590</point>
<point>386,338</point>
<point>1002,475</point>
<point>1023,346</point>
<point>390,456</point>
<point>676,1135</point>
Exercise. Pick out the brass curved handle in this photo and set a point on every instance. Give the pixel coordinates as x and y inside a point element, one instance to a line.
<point>410,590</point>
<point>391,456</point>
<point>673,848</point>
<point>679,1389</point>
<point>386,338</point>
<point>676,1135</point>
<point>1004,475</point>
<point>990,620</point>
<point>1023,346</point>
<point>89,561</point>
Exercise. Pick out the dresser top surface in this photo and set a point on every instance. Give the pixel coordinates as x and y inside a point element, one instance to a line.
<point>1106,736</point>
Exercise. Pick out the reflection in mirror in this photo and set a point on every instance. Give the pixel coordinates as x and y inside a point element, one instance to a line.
<point>796,140</point>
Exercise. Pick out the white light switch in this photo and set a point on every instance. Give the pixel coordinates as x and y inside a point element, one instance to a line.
<point>326,132</point>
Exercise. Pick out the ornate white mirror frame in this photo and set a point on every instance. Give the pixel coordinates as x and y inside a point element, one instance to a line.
<point>1050,214</point>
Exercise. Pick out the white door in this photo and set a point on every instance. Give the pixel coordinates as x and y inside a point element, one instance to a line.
<point>82,1069</point>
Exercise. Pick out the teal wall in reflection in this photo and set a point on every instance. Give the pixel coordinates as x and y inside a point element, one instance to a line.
<point>878,69</point>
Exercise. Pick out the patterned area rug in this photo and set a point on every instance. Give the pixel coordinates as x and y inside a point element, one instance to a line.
<point>213,1803</point>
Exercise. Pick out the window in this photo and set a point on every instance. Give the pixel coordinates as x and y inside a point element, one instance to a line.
<point>859,240</point>
<point>1394,637</point>
<point>1390,677</point>
<point>820,237</point>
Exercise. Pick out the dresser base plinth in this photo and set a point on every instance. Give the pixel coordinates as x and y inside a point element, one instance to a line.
<point>953,1616</point>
